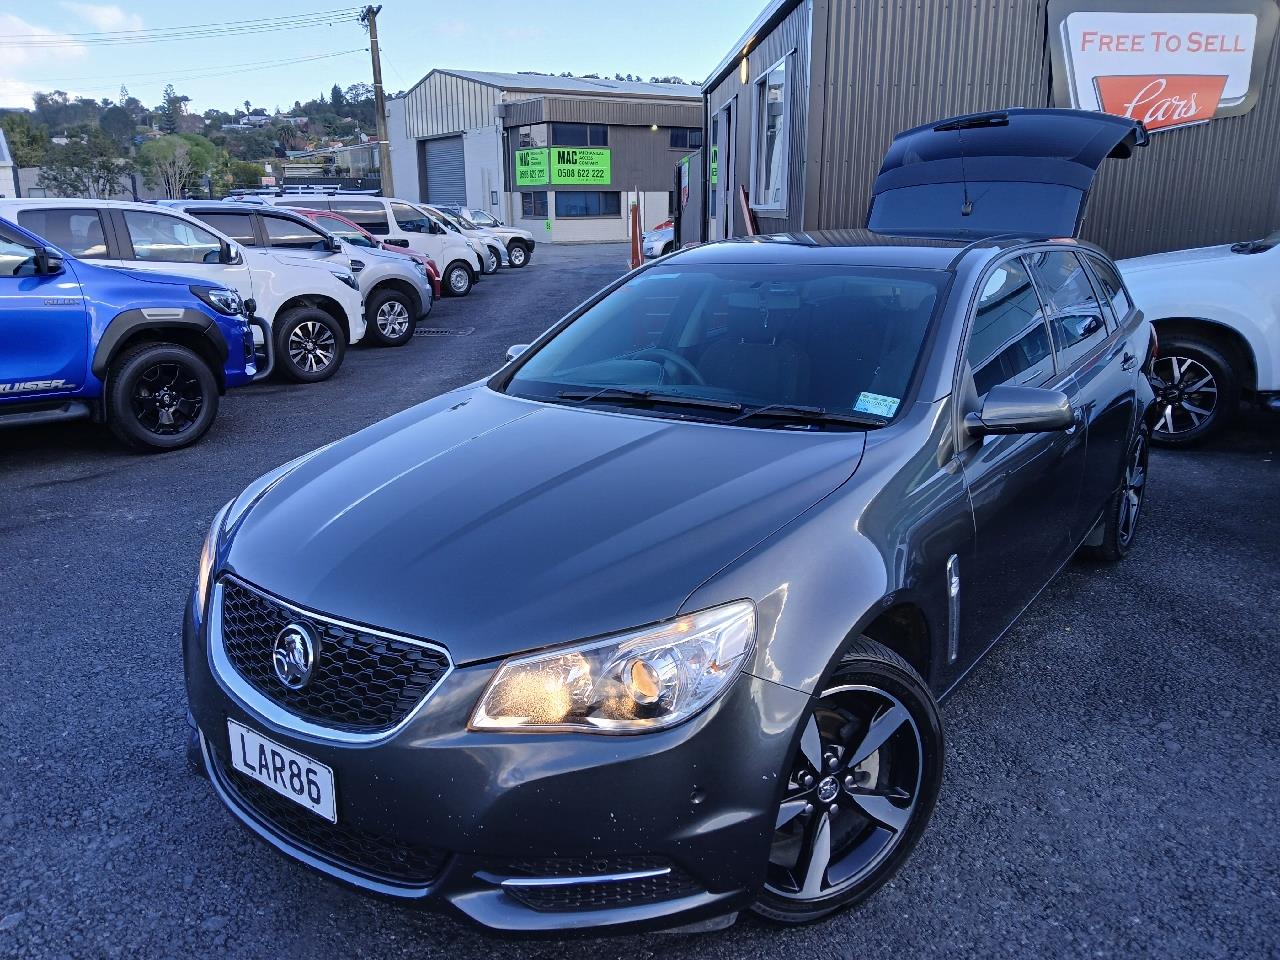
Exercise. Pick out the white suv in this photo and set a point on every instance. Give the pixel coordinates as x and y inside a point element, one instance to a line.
<point>312,309</point>
<point>1216,312</point>
<point>493,253</point>
<point>401,223</point>
<point>519,242</point>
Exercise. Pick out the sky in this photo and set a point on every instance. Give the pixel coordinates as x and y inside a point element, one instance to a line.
<point>79,46</point>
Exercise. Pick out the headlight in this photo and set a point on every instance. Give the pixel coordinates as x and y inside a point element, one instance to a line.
<point>348,279</point>
<point>421,268</point>
<point>227,302</point>
<point>644,680</point>
<point>209,556</point>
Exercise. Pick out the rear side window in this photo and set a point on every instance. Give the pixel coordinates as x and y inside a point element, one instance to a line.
<point>164,239</point>
<point>370,214</point>
<point>283,232</point>
<point>1112,287</point>
<point>237,226</point>
<point>1074,312</point>
<point>79,232</point>
<point>1008,339</point>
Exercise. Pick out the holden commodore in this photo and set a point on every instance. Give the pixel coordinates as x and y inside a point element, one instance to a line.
<point>651,626</point>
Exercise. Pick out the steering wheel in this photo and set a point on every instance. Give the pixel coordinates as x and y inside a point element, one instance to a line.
<point>670,356</point>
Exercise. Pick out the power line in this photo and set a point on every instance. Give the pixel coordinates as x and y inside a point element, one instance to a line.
<point>350,11</point>
<point>247,28</point>
<point>117,78</point>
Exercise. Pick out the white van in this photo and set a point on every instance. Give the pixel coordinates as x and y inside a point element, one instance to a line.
<point>402,224</point>
<point>312,309</point>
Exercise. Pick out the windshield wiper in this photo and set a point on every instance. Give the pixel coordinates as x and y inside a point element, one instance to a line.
<point>800,413</point>
<point>629,395</point>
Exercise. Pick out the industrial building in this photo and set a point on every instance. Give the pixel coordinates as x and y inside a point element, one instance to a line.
<point>559,156</point>
<point>801,110</point>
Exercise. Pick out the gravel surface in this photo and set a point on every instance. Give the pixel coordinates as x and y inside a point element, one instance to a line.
<point>1113,766</point>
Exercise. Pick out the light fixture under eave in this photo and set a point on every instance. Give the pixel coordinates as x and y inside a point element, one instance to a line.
<point>744,69</point>
<point>653,127</point>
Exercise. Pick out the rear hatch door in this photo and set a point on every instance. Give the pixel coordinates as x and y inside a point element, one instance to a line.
<point>1020,171</point>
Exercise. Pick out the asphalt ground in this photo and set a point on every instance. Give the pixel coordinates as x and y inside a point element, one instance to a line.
<point>1113,767</point>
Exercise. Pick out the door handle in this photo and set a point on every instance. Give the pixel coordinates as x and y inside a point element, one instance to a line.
<point>1129,360</point>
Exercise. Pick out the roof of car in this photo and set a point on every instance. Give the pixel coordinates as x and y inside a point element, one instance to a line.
<point>852,247</point>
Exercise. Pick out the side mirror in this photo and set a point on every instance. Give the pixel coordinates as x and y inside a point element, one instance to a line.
<point>1009,409</point>
<point>229,253</point>
<point>515,350</point>
<point>333,244</point>
<point>396,242</point>
<point>435,227</point>
<point>48,262</point>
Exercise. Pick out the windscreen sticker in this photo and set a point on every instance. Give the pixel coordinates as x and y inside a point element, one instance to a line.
<point>881,406</point>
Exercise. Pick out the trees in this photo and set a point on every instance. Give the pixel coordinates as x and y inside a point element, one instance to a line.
<point>118,125</point>
<point>177,163</point>
<point>336,99</point>
<point>28,140</point>
<point>172,109</point>
<point>89,168</point>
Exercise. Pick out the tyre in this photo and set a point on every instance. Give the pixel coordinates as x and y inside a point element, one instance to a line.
<point>859,791</point>
<point>390,316</point>
<point>458,279</point>
<point>1197,391</point>
<point>491,261</point>
<point>310,345</point>
<point>517,254</point>
<point>1120,525</point>
<point>667,248</point>
<point>160,396</point>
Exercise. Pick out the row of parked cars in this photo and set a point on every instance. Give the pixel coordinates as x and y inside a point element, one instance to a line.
<point>140,315</point>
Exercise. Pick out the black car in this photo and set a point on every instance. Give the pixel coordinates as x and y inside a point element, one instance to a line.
<point>651,626</point>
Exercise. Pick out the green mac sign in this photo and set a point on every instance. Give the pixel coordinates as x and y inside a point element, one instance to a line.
<point>531,167</point>
<point>567,166</point>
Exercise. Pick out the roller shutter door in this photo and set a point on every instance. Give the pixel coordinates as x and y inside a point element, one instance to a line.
<point>446,176</point>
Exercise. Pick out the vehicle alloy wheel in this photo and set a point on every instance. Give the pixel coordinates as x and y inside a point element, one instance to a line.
<point>517,255</point>
<point>389,316</point>
<point>859,791</point>
<point>312,347</point>
<point>1133,490</point>
<point>161,396</point>
<point>1188,396</point>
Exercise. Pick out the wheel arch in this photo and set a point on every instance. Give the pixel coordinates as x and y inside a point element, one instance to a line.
<point>320,302</point>
<point>191,329</point>
<point>399,286</point>
<point>1226,338</point>
<point>904,629</point>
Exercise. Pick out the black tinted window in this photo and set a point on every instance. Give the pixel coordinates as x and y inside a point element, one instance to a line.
<point>842,338</point>
<point>237,226</point>
<point>533,204</point>
<point>1112,287</point>
<point>1074,313</point>
<point>79,232</point>
<point>283,232</point>
<point>1008,339</point>
<point>370,214</point>
<point>579,135</point>
<point>588,203</point>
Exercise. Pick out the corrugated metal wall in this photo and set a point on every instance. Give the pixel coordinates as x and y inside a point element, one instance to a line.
<point>519,113</point>
<point>894,64</point>
<point>443,104</point>
<point>792,34</point>
<point>446,174</point>
<point>882,66</point>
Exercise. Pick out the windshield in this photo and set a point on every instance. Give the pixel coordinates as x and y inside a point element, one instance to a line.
<point>839,339</point>
<point>453,220</point>
<point>484,219</point>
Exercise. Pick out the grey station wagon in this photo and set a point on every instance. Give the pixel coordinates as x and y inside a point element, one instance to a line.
<point>651,626</point>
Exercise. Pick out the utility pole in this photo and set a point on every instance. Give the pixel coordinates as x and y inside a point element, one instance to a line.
<point>370,19</point>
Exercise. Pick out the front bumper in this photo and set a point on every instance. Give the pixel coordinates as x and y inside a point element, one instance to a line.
<point>524,832</point>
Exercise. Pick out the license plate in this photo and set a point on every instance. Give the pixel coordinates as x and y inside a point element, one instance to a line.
<point>285,771</point>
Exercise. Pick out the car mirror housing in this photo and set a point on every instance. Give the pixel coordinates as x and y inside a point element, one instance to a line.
<point>333,244</point>
<point>515,350</point>
<point>48,262</point>
<point>1011,409</point>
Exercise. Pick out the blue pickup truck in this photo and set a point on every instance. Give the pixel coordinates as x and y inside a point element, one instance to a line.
<point>147,354</point>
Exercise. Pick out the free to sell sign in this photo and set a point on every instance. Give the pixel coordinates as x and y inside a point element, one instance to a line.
<point>581,165</point>
<point>531,167</point>
<point>1166,64</point>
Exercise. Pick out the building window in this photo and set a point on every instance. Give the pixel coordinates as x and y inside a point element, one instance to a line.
<point>772,106</point>
<point>533,204</point>
<point>531,135</point>
<point>588,203</point>
<point>686,138</point>
<point>579,135</point>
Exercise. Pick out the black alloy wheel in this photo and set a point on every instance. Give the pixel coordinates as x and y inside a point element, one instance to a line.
<point>1120,524</point>
<point>860,790</point>
<point>517,255</point>
<point>1196,389</point>
<point>161,396</point>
